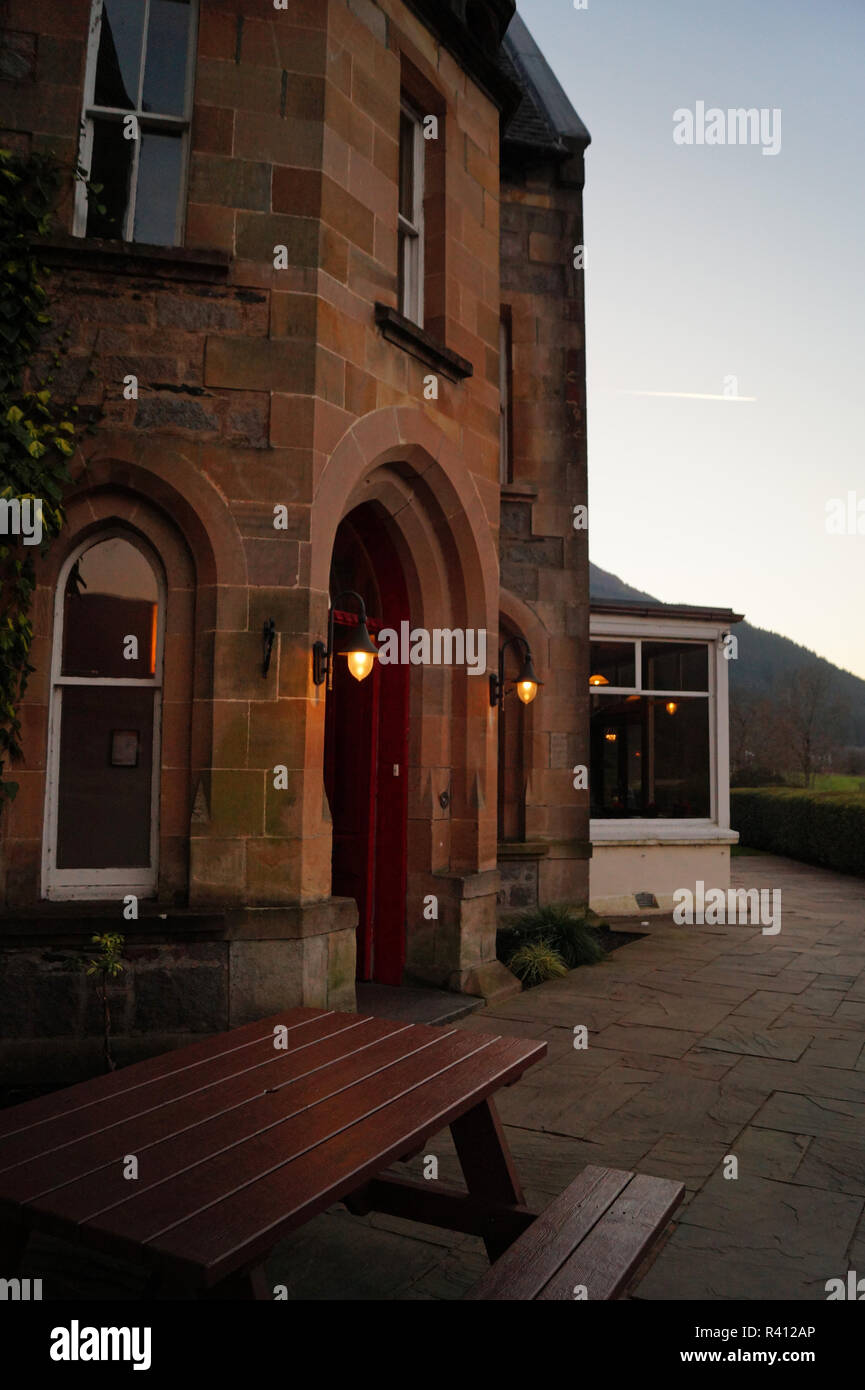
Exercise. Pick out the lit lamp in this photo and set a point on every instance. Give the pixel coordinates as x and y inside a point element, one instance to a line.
<point>598,680</point>
<point>610,735</point>
<point>526,683</point>
<point>671,706</point>
<point>356,646</point>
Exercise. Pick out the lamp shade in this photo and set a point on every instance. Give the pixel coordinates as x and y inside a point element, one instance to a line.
<point>358,649</point>
<point>527,682</point>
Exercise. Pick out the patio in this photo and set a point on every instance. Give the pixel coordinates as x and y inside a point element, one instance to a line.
<point>704,1042</point>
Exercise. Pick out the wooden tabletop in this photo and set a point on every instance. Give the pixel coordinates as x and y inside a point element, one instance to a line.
<point>239,1141</point>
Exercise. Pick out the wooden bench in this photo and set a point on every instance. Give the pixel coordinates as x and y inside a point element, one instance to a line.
<point>593,1237</point>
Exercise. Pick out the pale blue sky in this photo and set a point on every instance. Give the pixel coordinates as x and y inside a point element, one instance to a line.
<point>704,262</point>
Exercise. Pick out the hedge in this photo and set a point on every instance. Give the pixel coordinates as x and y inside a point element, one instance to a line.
<point>826,828</point>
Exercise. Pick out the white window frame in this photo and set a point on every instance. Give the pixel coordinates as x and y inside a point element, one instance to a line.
<point>147,120</point>
<point>411,232</point>
<point>637,630</point>
<point>66,884</point>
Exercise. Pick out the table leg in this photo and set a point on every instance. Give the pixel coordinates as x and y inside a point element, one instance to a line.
<point>487,1166</point>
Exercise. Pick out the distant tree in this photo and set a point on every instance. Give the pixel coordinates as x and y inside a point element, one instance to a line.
<point>811,718</point>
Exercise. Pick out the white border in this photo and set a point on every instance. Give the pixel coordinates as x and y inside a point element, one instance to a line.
<point>716,826</point>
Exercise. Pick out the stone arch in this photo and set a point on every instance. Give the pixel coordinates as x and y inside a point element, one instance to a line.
<point>399,458</point>
<point>156,492</point>
<point>170,480</point>
<point>398,461</point>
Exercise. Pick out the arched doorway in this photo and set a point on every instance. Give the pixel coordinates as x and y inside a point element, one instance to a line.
<point>101,826</point>
<point>366,752</point>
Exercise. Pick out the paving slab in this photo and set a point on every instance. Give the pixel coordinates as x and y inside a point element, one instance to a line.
<point>704,1042</point>
<point>787,1043</point>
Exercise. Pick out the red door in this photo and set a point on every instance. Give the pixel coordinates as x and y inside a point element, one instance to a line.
<point>366,751</point>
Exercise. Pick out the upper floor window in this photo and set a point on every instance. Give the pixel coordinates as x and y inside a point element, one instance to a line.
<point>411,195</point>
<point>137,104</point>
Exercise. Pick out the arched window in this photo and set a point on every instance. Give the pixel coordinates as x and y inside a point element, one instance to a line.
<point>102,798</point>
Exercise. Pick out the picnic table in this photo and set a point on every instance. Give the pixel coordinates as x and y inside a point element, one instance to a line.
<point>241,1138</point>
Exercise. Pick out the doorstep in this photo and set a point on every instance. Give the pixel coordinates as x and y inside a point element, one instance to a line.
<point>411,1004</point>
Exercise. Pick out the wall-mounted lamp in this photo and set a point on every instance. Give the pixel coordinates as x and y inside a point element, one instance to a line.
<point>610,735</point>
<point>356,646</point>
<point>527,682</point>
<point>268,634</point>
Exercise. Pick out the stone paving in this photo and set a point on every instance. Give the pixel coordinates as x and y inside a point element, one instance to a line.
<point>704,1042</point>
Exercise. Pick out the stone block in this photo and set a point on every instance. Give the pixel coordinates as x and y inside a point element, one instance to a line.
<point>190,999</point>
<point>258,364</point>
<point>265,977</point>
<point>234,183</point>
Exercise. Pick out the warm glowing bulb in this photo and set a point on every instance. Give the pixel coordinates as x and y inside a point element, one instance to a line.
<point>526,691</point>
<point>610,736</point>
<point>671,707</point>
<point>360,664</point>
<point>598,680</point>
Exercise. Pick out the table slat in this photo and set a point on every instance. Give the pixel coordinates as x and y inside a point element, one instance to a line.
<point>96,1117</point>
<point>222,1108</point>
<point>246,1224</point>
<point>73,1099</point>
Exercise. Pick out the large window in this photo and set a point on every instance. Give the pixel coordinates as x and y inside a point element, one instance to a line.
<point>135,135</point>
<point>650,743</point>
<point>411,232</point>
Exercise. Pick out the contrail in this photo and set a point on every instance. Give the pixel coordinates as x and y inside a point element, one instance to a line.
<point>687,395</point>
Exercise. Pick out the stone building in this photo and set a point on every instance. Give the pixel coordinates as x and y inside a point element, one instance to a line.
<point>327,315</point>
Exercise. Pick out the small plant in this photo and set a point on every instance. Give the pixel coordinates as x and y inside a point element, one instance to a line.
<point>537,961</point>
<point>107,965</point>
<point>570,929</point>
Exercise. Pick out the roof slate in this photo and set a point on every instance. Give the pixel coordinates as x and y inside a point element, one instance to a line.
<point>545,119</point>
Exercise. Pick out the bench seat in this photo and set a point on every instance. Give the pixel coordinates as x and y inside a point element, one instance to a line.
<point>592,1237</point>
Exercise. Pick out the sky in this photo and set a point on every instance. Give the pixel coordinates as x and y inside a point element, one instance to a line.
<point>711,262</point>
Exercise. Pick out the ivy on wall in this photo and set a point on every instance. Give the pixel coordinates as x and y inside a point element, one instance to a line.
<point>36,436</point>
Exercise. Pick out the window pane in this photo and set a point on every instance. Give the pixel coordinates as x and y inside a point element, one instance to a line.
<point>110,165</point>
<point>111,595</point>
<point>650,757</point>
<point>119,60</point>
<point>406,167</point>
<point>612,663</point>
<point>159,168</point>
<point>167,57</point>
<point>104,801</point>
<point>675,666</point>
